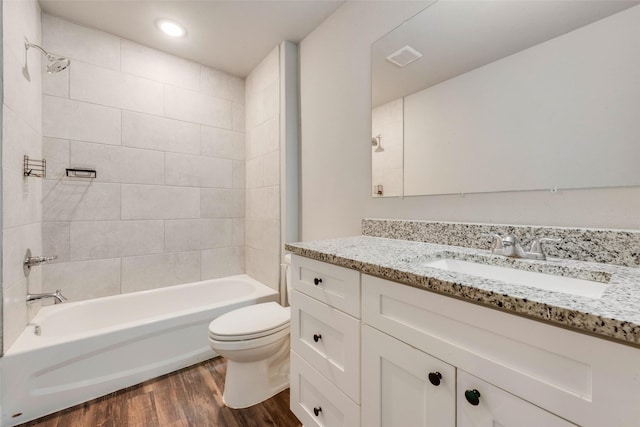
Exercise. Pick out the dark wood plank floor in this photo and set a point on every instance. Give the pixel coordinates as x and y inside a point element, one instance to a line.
<point>191,397</point>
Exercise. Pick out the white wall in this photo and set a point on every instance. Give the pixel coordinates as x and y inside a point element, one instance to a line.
<point>166,137</point>
<point>21,134</point>
<point>335,151</point>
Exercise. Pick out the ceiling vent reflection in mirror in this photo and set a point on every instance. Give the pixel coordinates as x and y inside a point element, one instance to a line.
<point>404,56</point>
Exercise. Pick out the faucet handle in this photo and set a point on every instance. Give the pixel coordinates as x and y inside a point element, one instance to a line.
<point>497,240</point>
<point>536,244</point>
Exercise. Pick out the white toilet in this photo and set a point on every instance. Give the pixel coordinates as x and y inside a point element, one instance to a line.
<point>255,342</point>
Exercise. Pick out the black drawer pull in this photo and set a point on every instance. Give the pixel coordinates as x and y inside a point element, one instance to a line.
<point>434,378</point>
<point>317,411</point>
<point>472,396</point>
<point>317,337</point>
<point>317,281</point>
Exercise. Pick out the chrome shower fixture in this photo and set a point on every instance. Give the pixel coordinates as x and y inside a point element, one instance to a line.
<point>56,63</point>
<point>376,141</point>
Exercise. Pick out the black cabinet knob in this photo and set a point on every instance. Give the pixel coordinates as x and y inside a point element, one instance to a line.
<point>317,281</point>
<point>317,411</point>
<point>317,337</point>
<point>472,396</point>
<point>434,378</point>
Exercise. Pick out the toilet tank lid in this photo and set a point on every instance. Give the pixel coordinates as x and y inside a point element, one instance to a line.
<point>251,320</point>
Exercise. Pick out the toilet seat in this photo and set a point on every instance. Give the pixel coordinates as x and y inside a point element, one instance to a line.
<point>250,344</point>
<point>251,322</point>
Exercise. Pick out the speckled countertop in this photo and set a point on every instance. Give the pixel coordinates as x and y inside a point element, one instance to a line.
<point>616,315</point>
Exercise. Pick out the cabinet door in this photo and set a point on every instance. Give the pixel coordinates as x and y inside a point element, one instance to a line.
<point>396,386</point>
<point>481,404</point>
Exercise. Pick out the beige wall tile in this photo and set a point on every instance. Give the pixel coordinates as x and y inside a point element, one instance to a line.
<point>263,202</point>
<point>16,241</point>
<point>222,85</point>
<point>56,152</point>
<point>18,139</point>
<point>83,280</point>
<point>111,239</point>
<point>195,107</point>
<point>264,267</point>
<point>14,313</point>
<point>80,200</point>
<point>197,171</point>
<point>197,234</point>
<point>222,143</point>
<point>119,164</point>
<point>157,271</point>
<point>159,202</point>
<point>111,88</point>
<point>22,95</point>
<point>70,119</point>
<point>21,199</point>
<point>222,262</point>
<point>158,133</point>
<point>158,66</point>
<point>55,241</point>
<point>222,203</point>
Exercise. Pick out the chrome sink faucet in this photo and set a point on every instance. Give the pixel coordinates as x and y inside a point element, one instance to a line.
<point>57,295</point>
<point>510,246</point>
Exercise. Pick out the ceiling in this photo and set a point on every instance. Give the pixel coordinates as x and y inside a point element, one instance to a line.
<point>232,36</point>
<point>458,36</point>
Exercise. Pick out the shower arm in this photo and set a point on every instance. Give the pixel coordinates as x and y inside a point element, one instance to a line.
<point>28,44</point>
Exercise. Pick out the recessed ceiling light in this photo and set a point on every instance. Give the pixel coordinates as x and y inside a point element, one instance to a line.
<point>171,28</point>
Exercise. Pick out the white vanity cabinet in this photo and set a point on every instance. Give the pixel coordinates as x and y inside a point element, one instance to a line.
<point>526,372</point>
<point>366,351</point>
<point>325,344</point>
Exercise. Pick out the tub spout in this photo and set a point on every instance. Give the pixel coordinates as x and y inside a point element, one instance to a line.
<point>57,296</point>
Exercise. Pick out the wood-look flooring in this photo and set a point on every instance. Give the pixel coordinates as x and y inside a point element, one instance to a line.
<point>191,397</point>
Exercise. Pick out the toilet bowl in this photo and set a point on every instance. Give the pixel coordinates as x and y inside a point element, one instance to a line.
<point>255,342</point>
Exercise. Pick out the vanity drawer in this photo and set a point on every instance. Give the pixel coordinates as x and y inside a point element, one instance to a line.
<point>337,286</point>
<point>312,394</point>
<point>329,340</point>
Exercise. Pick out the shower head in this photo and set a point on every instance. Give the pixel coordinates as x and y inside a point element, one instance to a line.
<point>376,141</point>
<point>56,63</point>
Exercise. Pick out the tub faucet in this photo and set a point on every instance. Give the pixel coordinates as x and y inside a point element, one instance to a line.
<point>510,246</point>
<point>57,296</point>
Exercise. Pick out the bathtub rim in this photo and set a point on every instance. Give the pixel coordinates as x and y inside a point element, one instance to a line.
<point>28,340</point>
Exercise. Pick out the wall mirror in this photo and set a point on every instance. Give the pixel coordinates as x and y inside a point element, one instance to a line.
<point>487,96</point>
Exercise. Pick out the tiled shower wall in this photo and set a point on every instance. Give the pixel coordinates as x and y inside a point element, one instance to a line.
<point>166,137</point>
<point>21,134</point>
<point>263,171</point>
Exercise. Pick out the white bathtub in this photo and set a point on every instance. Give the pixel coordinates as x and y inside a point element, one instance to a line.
<point>90,348</point>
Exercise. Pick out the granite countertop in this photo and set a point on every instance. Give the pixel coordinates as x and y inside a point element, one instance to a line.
<point>615,316</point>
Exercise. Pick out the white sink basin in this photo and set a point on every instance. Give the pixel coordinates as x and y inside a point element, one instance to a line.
<point>549,282</point>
